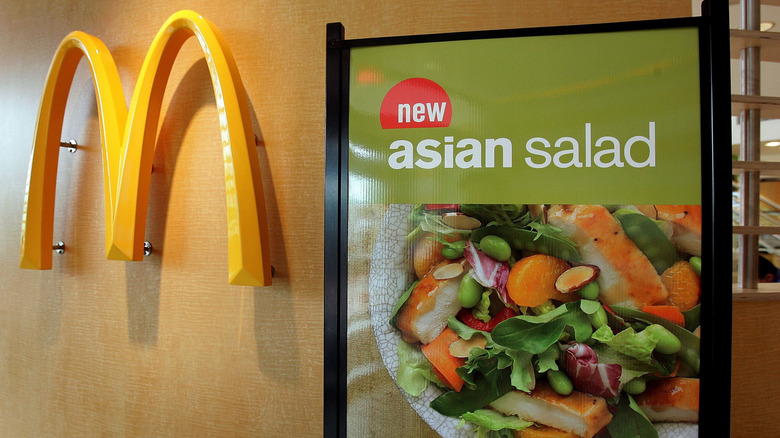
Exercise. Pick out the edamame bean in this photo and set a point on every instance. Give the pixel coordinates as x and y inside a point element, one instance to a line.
<point>454,250</point>
<point>470,292</point>
<point>560,382</point>
<point>599,319</point>
<point>590,291</point>
<point>666,341</point>
<point>696,264</point>
<point>495,247</point>
<point>635,386</point>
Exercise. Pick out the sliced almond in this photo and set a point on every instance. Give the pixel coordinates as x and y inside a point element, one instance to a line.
<point>460,221</point>
<point>575,278</point>
<point>538,210</point>
<point>647,210</point>
<point>448,271</point>
<point>462,347</point>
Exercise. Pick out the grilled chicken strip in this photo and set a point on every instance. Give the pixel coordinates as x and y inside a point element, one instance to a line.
<point>424,315</point>
<point>578,412</point>
<point>675,399</point>
<point>686,223</point>
<point>627,277</point>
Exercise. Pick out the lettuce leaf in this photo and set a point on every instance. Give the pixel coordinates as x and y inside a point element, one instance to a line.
<point>482,310</point>
<point>522,376</point>
<point>415,372</point>
<point>637,345</point>
<point>547,359</point>
<point>495,421</point>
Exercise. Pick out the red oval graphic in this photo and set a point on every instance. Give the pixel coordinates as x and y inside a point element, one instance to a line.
<point>416,103</point>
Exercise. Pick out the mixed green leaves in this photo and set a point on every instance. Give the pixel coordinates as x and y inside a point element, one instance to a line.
<point>535,334</point>
<point>512,222</point>
<point>512,352</point>
<point>485,390</point>
<point>498,214</point>
<point>690,350</point>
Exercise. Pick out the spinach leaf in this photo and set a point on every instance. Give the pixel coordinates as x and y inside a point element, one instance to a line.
<point>535,334</point>
<point>487,389</point>
<point>630,422</point>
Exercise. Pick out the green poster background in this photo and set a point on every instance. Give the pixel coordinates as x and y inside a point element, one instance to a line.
<point>547,87</point>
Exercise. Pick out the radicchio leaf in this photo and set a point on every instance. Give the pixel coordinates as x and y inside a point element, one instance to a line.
<point>488,271</point>
<point>599,379</point>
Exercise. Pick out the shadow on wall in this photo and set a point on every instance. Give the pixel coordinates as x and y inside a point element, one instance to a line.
<point>71,206</point>
<point>143,299</point>
<point>274,326</point>
<point>272,305</point>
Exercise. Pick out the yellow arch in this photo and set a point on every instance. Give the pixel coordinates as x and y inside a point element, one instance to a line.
<point>38,216</point>
<point>128,148</point>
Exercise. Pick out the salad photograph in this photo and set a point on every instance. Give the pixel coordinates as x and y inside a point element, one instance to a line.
<point>542,320</point>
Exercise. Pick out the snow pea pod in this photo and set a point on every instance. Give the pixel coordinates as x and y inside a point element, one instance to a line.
<point>529,240</point>
<point>649,238</point>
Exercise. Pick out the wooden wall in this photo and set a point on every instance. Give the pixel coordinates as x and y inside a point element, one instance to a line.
<point>165,347</point>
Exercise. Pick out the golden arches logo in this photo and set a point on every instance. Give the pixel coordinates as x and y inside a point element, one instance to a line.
<point>128,142</point>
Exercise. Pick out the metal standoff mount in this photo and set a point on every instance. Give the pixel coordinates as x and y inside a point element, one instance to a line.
<point>59,247</point>
<point>71,144</point>
<point>148,248</point>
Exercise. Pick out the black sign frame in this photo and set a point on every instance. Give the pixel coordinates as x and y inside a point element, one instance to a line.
<point>716,227</point>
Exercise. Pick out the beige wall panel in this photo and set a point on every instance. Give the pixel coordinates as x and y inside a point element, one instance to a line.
<point>755,366</point>
<point>165,347</point>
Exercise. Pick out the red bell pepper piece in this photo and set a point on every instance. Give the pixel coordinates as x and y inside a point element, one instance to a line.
<point>467,318</point>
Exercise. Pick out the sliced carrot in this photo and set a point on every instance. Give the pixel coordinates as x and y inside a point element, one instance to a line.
<point>444,363</point>
<point>683,285</point>
<point>531,281</point>
<point>669,313</point>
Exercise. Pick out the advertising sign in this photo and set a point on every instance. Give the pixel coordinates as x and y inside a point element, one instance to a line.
<point>522,230</point>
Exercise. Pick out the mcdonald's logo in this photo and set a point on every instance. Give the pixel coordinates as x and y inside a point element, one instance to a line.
<point>128,142</point>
